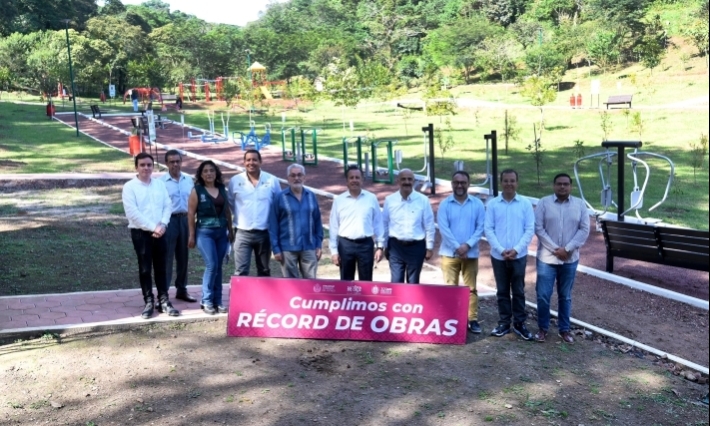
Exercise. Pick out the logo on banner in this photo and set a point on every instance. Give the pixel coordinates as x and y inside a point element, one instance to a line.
<point>354,289</point>
<point>375,290</point>
<point>317,288</point>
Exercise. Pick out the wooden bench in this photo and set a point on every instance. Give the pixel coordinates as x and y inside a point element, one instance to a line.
<point>681,247</point>
<point>619,100</point>
<point>95,110</point>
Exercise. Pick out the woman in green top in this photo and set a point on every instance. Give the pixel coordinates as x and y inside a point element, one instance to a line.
<point>210,228</point>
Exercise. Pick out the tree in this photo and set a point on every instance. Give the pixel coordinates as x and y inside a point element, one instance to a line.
<point>342,84</point>
<point>603,49</point>
<point>697,31</point>
<point>546,61</point>
<point>651,47</point>
<point>540,92</point>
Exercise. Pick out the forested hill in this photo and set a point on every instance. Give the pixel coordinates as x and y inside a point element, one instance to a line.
<point>384,42</point>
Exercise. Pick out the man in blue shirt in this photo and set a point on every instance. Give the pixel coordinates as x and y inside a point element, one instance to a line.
<point>509,228</point>
<point>295,227</point>
<point>460,219</point>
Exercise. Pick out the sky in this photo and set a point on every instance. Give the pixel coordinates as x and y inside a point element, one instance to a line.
<point>235,12</point>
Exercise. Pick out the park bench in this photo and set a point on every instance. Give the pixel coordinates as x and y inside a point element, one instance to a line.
<point>619,100</point>
<point>95,110</point>
<point>665,245</point>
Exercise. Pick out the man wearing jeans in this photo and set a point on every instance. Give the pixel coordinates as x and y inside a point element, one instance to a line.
<point>295,227</point>
<point>562,227</point>
<point>509,228</point>
<point>250,195</point>
<point>460,219</point>
<point>409,230</point>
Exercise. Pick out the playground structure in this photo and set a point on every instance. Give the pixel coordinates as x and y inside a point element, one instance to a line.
<point>606,160</point>
<point>299,152</point>
<point>251,140</point>
<point>150,93</point>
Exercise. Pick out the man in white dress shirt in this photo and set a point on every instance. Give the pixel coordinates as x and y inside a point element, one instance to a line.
<point>250,196</point>
<point>356,235</point>
<point>179,186</point>
<point>408,222</point>
<point>148,208</point>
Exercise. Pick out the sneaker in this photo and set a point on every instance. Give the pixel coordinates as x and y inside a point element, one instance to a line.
<point>501,330</point>
<point>221,309</point>
<point>474,327</point>
<point>167,308</point>
<point>540,336</point>
<point>566,337</point>
<point>147,310</point>
<point>208,309</point>
<point>522,331</point>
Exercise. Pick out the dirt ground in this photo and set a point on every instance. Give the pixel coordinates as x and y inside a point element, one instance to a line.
<point>191,374</point>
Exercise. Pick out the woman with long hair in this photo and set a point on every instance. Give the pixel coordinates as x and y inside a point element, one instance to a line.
<point>210,229</point>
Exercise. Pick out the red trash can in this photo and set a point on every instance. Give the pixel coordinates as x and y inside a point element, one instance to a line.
<point>572,100</point>
<point>579,100</point>
<point>50,109</point>
<point>135,146</point>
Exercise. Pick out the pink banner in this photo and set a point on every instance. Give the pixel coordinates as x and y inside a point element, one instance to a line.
<point>347,310</point>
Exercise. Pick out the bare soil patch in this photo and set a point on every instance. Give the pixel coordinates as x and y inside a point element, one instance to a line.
<point>181,374</point>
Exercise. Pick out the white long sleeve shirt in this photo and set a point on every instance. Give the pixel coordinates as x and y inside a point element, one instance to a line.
<point>408,219</point>
<point>355,218</point>
<point>146,204</point>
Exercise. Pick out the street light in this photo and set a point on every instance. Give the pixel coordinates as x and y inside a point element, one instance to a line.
<point>251,83</point>
<point>71,76</point>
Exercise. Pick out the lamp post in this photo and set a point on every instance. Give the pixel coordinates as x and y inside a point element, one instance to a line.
<point>71,76</point>
<point>251,83</point>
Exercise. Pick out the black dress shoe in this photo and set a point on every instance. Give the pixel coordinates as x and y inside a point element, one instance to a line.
<point>147,311</point>
<point>167,308</point>
<point>186,297</point>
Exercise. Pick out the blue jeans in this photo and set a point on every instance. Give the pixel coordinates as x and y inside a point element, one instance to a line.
<point>212,243</point>
<point>510,279</point>
<point>546,276</point>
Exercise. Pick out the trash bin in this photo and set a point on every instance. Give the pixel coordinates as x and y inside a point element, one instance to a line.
<point>50,109</point>
<point>579,100</point>
<point>135,145</point>
<point>572,100</point>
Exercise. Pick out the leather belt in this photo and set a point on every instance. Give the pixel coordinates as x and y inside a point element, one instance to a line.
<point>178,214</point>
<point>251,230</point>
<point>357,240</point>
<point>407,242</point>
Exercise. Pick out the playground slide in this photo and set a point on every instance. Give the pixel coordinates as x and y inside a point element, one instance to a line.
<point>266,92</point>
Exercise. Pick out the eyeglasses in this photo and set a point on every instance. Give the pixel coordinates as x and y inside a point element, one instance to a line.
<point>458,183</point>
<point>299,175</point>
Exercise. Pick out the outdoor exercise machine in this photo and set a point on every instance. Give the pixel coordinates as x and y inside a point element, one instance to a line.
<point>387,172</point>
<point>606,160</point>
<point>251,140</point>
<point>356,144</point>
<point>430,182</point>
<point>491,164</point>
<point>299,152</point>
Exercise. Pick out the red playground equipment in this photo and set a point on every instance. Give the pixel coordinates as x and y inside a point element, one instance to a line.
<point>151,93</point>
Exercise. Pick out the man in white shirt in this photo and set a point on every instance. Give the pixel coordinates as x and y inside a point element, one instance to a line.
<point>409,231</point>
<point>148,208</point>
<point>179,186</point>
<point>509,227</point>
<point>250,196</point>
<point>356,234</point>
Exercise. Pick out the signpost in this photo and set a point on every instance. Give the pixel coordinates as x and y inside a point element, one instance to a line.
<point>596,86</point>
<point>112,91</point>
<point>347,310</point>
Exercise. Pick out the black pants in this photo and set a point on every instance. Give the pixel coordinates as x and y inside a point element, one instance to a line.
<point>176,236</point>
<point>406,259</point>
<point>151,254</point>
<point>510,278</point>
<point>358,254</point>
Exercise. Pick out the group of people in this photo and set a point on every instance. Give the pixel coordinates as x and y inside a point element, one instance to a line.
<point>170,215</point>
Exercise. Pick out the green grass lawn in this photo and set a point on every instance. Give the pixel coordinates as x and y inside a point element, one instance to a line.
<point>44,146</point>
